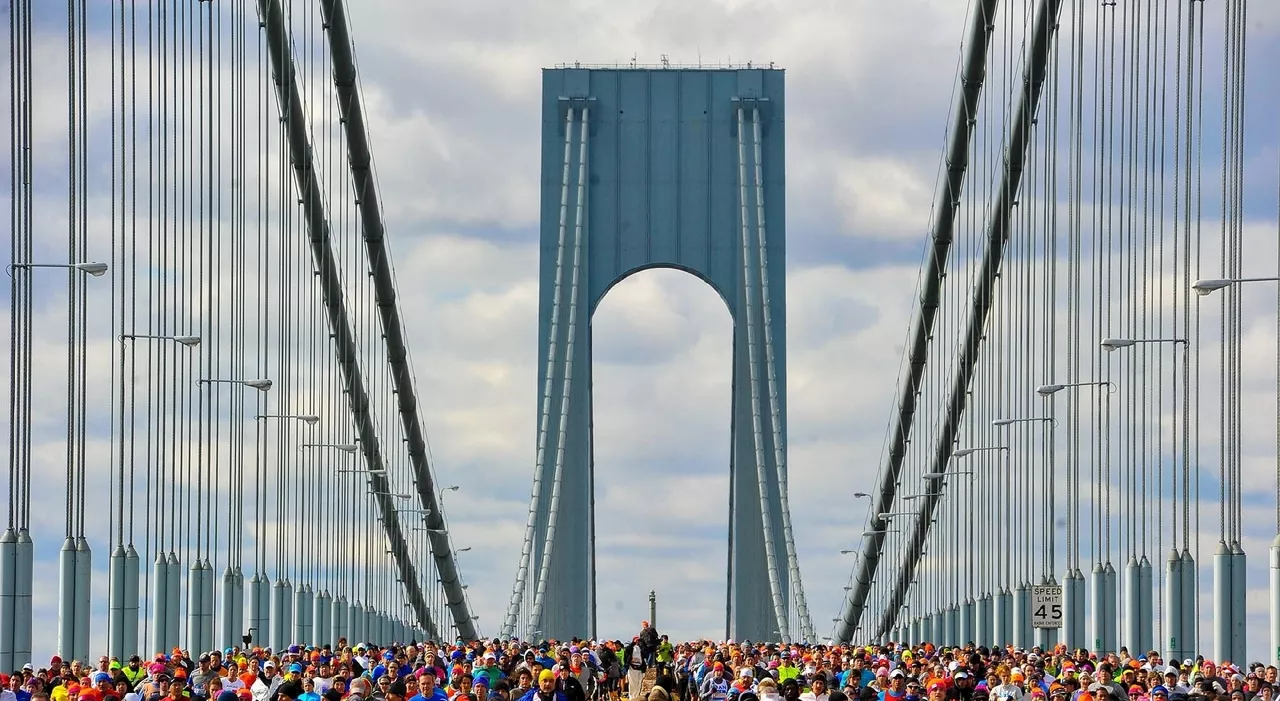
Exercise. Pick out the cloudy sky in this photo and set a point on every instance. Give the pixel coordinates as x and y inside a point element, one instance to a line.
<point>452,96</point>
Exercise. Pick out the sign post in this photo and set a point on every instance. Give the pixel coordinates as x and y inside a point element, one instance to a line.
<point>1046,606</point>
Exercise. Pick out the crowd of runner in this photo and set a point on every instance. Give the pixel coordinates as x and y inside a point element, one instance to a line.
<point>647,668</point>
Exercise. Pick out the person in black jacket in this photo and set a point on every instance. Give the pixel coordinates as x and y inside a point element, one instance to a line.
<point>569,685</point>
<point>636,664</point>
<point>649,640</point>
<point>962,689</point>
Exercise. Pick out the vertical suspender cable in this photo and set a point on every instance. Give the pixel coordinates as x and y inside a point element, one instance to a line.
<point>22,606</point>
<point>115,495</point>
<point>1275,543</point>
<point>10,611</point>
<point>129,642</point>
<point>67,555</point>
<point>1195,177</point>
<point>1159,150</point>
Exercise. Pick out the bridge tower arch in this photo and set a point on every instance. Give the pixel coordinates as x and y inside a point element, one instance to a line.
<point>644,168</point>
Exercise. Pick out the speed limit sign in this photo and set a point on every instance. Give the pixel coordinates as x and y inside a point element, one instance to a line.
<point>1046,606</point>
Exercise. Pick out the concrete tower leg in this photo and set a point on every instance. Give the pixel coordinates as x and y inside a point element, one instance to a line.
<point>1111,619</point>
<point>132,572</point>
<point>1004,617</point>
<point>1239,631</point>
<point>173,609</point>
<point>1223,627</point>
<point>1098,610</point>
<point>22,605</point>
<point>84,595</point>
<point>195,604</point>
<point>1021,617</point>
<point>952,625</point>
<point>1273,655</point>
<point>115,603</point>
<point>338,620</point>
<point>8,595</point>
<point>1173,641</point>
<point>986,621</point>
<point>227,633</point>
<point>1132,628</point>
<point>1146,616</point>
<point>67,599</point>
<point>1190,605</point>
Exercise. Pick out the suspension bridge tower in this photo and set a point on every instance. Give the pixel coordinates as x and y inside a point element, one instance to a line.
<point>676,168</point>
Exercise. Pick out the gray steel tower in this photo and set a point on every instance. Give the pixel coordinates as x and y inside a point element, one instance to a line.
<point>677,168</point>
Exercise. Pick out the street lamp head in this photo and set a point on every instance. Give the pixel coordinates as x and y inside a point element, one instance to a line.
<point>309,419</point>
<point>344,447</point>
<point>94,269</point>
<point>962,452</point>
<point>1209,286</point>
<point>861,495</point>
<point>188,341</point>
<point>260,384</point>
<point>935,475</point>
<point>1110,344</point>
<point>1049,390</point>
<point>1000,423</point>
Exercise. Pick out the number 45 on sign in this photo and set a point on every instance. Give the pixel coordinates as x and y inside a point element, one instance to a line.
<point>1046,606</point>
